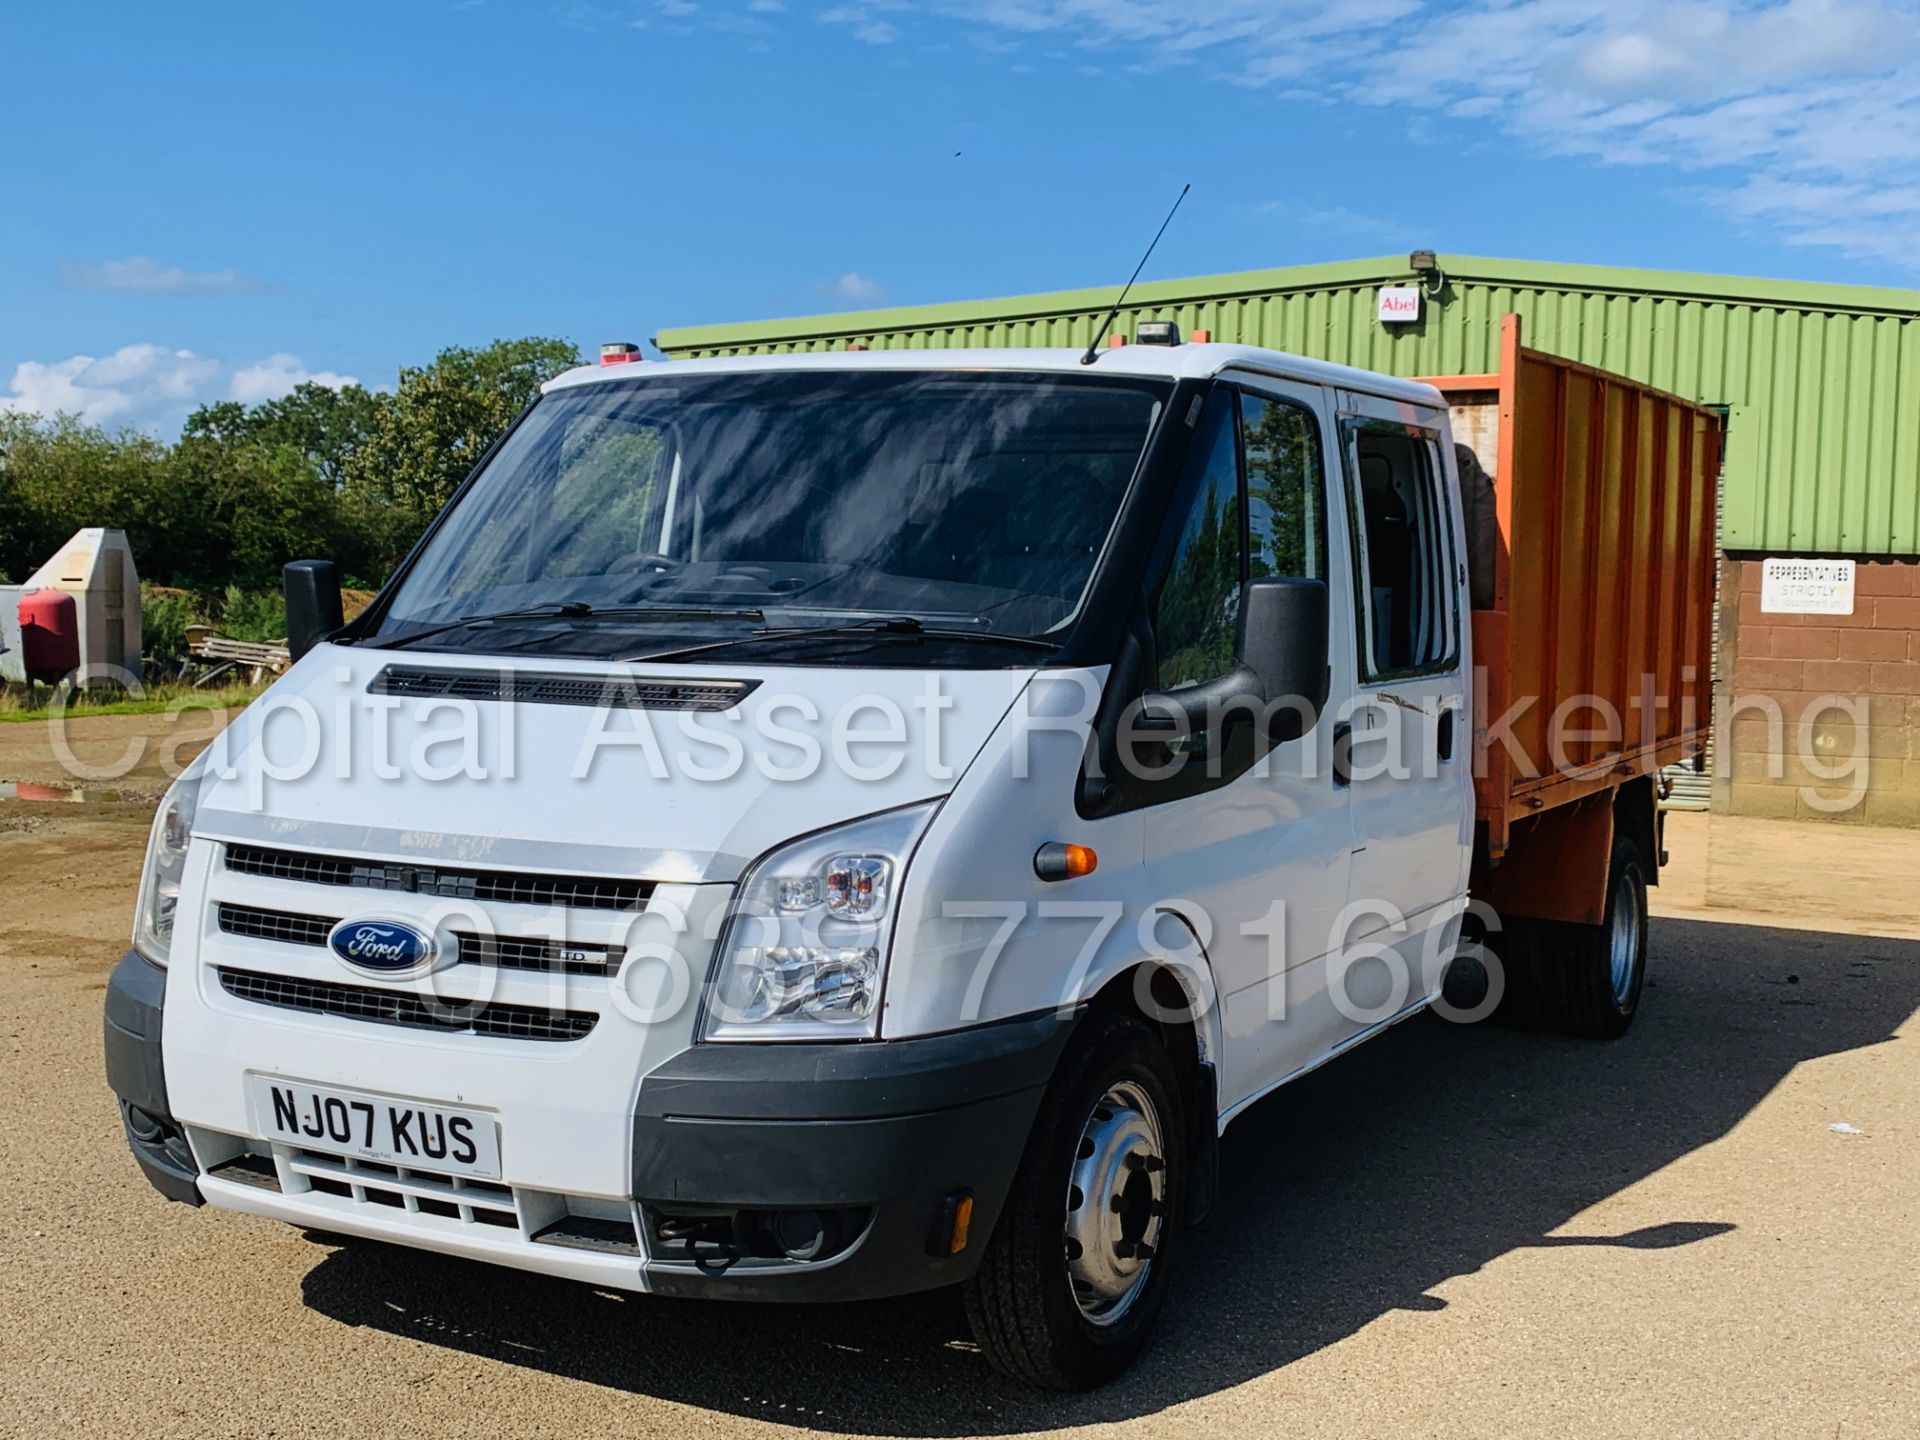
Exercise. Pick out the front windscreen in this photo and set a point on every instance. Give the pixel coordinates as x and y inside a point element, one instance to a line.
<point>963,499</point>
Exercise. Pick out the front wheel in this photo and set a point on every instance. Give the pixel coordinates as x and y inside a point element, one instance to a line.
<point>1599,975</point>
<point>1077,1268</point>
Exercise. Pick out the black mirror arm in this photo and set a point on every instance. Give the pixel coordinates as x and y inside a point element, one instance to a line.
<point>1196,707</point>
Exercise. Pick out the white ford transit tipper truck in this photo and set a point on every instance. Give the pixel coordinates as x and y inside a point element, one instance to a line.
<point>828,826</point>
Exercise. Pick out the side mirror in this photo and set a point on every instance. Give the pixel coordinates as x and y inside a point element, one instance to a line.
<point>312,588</point>
<point>1282,674</point>
<point>1283,641</point>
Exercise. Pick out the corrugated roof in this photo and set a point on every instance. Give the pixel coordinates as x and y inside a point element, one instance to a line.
<point>1810,296</point>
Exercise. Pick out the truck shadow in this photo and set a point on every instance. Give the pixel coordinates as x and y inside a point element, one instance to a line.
<point>1421,1157</point>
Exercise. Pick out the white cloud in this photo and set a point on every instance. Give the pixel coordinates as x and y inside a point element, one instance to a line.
<point>137,275</point>
<point>851,286</point>
<point>1817,100</point>
<point>277,375</point>
<point>130,387</point>
<point>863,20</point>
<point>149,387</point>
<point>1348,223</point>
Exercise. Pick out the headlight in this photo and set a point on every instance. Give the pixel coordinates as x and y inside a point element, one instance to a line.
<point>166,867</point>
<point>805,945</point>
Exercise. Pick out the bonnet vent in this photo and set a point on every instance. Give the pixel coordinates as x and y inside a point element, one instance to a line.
<point>528,687</point>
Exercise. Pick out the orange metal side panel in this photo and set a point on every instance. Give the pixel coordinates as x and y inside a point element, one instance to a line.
<point>1599,652</point>
<point>1557,866</point>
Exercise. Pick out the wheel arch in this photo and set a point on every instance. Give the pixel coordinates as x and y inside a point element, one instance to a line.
<point>1182,1009</point>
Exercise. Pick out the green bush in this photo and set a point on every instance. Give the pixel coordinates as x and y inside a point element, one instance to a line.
<point>165,615</point>
<point>258,615</point>
<point>164,618</point>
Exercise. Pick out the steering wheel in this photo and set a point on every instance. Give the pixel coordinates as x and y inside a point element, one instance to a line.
<point>646,560</point>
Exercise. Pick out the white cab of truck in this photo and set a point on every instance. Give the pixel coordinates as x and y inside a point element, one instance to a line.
<point>820,827</point>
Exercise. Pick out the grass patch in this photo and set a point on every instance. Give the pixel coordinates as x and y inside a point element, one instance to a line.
<point>17,703</point>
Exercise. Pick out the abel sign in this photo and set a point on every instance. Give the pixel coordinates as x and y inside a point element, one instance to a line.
<point>1399,304</point>
<point>1806,587</point>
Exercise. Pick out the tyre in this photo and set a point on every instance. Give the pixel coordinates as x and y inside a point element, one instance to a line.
<point>1077,1267</point>
<point>1597,976</point>
<point>1524,1003</point>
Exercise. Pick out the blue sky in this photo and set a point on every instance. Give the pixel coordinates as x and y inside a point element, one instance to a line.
<point>211,200</point>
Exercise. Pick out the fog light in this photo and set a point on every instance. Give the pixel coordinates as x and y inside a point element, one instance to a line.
<point>799,1234</point>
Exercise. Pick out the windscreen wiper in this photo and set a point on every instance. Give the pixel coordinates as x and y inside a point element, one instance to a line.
<point>909,627</point>
<point>578,610</point>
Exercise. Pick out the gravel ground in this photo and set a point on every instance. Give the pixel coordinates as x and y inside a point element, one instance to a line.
<point>1454,1231</point>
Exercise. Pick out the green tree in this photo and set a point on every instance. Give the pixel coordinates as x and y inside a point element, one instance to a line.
<point>244,509</point>
<point>347,474</point>
<point>442,418</point>
<point>324,425</point>
<point>18,522</point>
<point>62,475</point>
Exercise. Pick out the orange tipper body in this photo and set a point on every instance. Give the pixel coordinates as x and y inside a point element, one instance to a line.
<point>1595,660</point>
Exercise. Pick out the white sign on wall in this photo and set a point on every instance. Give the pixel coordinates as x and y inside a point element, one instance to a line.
<point>1399,304</point>
<point>1806,587</point>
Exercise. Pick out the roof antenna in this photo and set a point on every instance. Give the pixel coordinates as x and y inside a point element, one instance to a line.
<point>1093,350</point>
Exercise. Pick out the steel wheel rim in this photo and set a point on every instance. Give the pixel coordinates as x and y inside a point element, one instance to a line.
<point>1116,1203</point>
<point>1623,940</point>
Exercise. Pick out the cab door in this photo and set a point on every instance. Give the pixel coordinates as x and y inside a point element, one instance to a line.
<point>1255,857</point>
<point>1405,747</point>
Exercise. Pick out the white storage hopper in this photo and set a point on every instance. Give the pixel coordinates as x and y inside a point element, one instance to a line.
<point>12,662</point>
<point>96,568</point>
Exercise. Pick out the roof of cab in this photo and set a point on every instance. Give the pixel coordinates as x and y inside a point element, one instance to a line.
<point>1178,362</point>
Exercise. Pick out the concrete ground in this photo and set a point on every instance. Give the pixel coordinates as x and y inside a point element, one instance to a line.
<point>1453,1232</point>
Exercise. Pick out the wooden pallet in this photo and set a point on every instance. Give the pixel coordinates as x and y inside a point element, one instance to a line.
<point>217,656</point>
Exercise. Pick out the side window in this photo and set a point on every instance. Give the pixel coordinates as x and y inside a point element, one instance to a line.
<point>1405,542</point>
<point>1286,490</point>
<point>1194,603</point>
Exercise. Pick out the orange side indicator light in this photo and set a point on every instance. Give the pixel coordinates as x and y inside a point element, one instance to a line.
<point>1058,861</point>
<point>962,1222</point>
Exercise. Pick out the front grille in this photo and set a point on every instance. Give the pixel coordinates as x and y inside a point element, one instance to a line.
<point>258,924</point>
<point>574,892</point>
<point>248,1168</point>
<point>505,952</point>
<point>512,953</point>
<point>391,1007</point>
<point>525,687</point>
<point>365,1182</point>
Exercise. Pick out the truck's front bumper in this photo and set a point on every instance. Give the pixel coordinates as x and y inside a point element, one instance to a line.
<point>759,1171</point>
<point>880,1142</point>
<point>135,995</point>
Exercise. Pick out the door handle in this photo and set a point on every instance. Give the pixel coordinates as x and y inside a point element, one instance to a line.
<point>1342,755</point>
<point>1443,740</point>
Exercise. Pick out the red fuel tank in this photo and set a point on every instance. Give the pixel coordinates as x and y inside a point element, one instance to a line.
<point>49,635</point>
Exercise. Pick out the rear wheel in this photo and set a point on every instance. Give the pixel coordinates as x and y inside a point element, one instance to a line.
<point>1524,1002</point>
<point>1077,1268</point>
<point>1600,970</point>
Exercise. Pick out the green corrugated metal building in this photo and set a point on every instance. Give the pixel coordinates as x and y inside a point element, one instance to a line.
<point>1823,380</point>
<point>1822,388</point>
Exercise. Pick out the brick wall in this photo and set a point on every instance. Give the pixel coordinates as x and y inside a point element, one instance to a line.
<point>1871,657</point>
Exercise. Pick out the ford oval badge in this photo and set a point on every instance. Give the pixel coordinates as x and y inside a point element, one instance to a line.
<point>382,946</point>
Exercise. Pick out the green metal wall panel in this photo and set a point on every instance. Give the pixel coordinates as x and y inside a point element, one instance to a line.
<point>1825,378</point>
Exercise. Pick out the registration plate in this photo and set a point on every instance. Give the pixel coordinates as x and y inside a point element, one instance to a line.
<point>374,1127</point>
